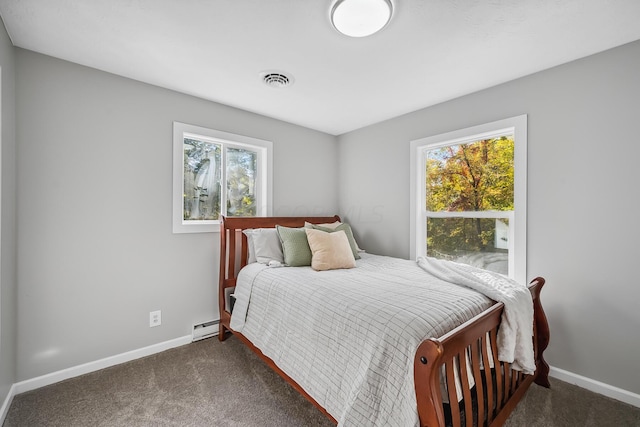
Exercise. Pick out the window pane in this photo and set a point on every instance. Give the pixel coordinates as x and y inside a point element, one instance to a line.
<point>241,182</point>
<point>481,242</point>
<point>201,190</point>
<point>476,176</point>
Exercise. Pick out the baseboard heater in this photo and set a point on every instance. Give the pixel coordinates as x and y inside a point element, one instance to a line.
<point>205,330</point>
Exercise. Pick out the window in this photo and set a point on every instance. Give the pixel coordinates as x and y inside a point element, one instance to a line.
<point>468,196</point>
<point>218,173</point>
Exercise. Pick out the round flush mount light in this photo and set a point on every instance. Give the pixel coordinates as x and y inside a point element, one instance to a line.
<point>361,18</point>
<point>276,79</point>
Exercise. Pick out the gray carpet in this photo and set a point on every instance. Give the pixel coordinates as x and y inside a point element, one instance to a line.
<point>209,383</point>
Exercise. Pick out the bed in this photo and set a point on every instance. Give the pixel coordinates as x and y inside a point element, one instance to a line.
<point>455,375</point>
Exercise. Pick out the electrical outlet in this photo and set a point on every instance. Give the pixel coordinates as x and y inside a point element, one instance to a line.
<point>155,318</point>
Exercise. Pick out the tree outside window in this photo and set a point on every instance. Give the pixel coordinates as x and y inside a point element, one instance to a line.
<point>470,178</point>
<point>468,196</point>
<point>217,173</point>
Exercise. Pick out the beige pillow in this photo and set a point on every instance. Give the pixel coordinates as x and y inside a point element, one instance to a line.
<point>333,226</point>
<point>329,251</point>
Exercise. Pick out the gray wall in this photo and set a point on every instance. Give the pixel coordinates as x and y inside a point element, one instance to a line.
<point>96,250</point>
<point>583,161</point>
<point>8,217</point>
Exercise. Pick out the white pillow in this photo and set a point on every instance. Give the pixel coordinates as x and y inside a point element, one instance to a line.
<point>329,251</point>
<point>251,258</point>
<point>265,244</point>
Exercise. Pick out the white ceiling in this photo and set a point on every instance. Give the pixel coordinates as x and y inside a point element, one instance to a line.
<point>431,51</point>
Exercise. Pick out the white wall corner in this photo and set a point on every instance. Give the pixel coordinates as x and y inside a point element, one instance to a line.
<point>7,403</point>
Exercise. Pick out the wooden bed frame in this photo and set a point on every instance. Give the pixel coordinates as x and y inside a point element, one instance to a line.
<point>492,398</point>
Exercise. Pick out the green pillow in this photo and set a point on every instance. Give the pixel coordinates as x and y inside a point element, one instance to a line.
<point>295,246</point>
<point>348,232</point>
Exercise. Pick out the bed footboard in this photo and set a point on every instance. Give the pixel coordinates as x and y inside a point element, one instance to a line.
<point>469,352</point>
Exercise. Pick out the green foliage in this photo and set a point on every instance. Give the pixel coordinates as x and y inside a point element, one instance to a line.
<point>458,236</point>
<point>241,169</point>
<point>471,177</point>
<point>201,191</point>
<point>202,181</point>
<point>476,176</point>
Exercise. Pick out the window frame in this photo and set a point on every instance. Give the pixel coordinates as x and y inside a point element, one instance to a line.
<point>518,224</point>
<point>264,176</point>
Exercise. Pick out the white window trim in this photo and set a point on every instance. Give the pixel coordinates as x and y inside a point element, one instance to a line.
<point>265,173</point>
<point>417,225</point>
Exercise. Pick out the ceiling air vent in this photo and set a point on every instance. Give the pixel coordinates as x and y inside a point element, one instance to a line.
<point>276,79</point>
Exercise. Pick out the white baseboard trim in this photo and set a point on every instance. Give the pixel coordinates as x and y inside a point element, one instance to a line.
<point>86,368</point>
<point>596,386</point>
<point>7,403</point>
<point>54,377</point>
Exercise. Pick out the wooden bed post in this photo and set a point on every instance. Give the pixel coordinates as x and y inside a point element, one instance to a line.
<point>428,396</point>
<point>228,274</point>
<point>223,269</point>
<point>542,334</point>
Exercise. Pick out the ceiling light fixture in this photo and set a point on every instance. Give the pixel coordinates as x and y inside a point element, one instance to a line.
<point>361,18</point>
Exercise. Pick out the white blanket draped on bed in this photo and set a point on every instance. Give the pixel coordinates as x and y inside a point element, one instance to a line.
<point>349,337</point>
<point>515,344</point>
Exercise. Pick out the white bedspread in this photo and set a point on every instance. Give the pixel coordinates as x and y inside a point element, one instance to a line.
<point>348,337</point>
<point>515,344</point>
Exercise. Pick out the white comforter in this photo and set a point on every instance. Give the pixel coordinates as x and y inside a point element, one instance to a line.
<point>515,344</point>
<point>348,337</point>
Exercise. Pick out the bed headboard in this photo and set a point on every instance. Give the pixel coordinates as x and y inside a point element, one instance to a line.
<point>233,243</point>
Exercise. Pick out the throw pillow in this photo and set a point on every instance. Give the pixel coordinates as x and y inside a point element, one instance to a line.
<point>266,245</point>
<point>329,250</point>
<point>347,229</point>
<point>295,246</point>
